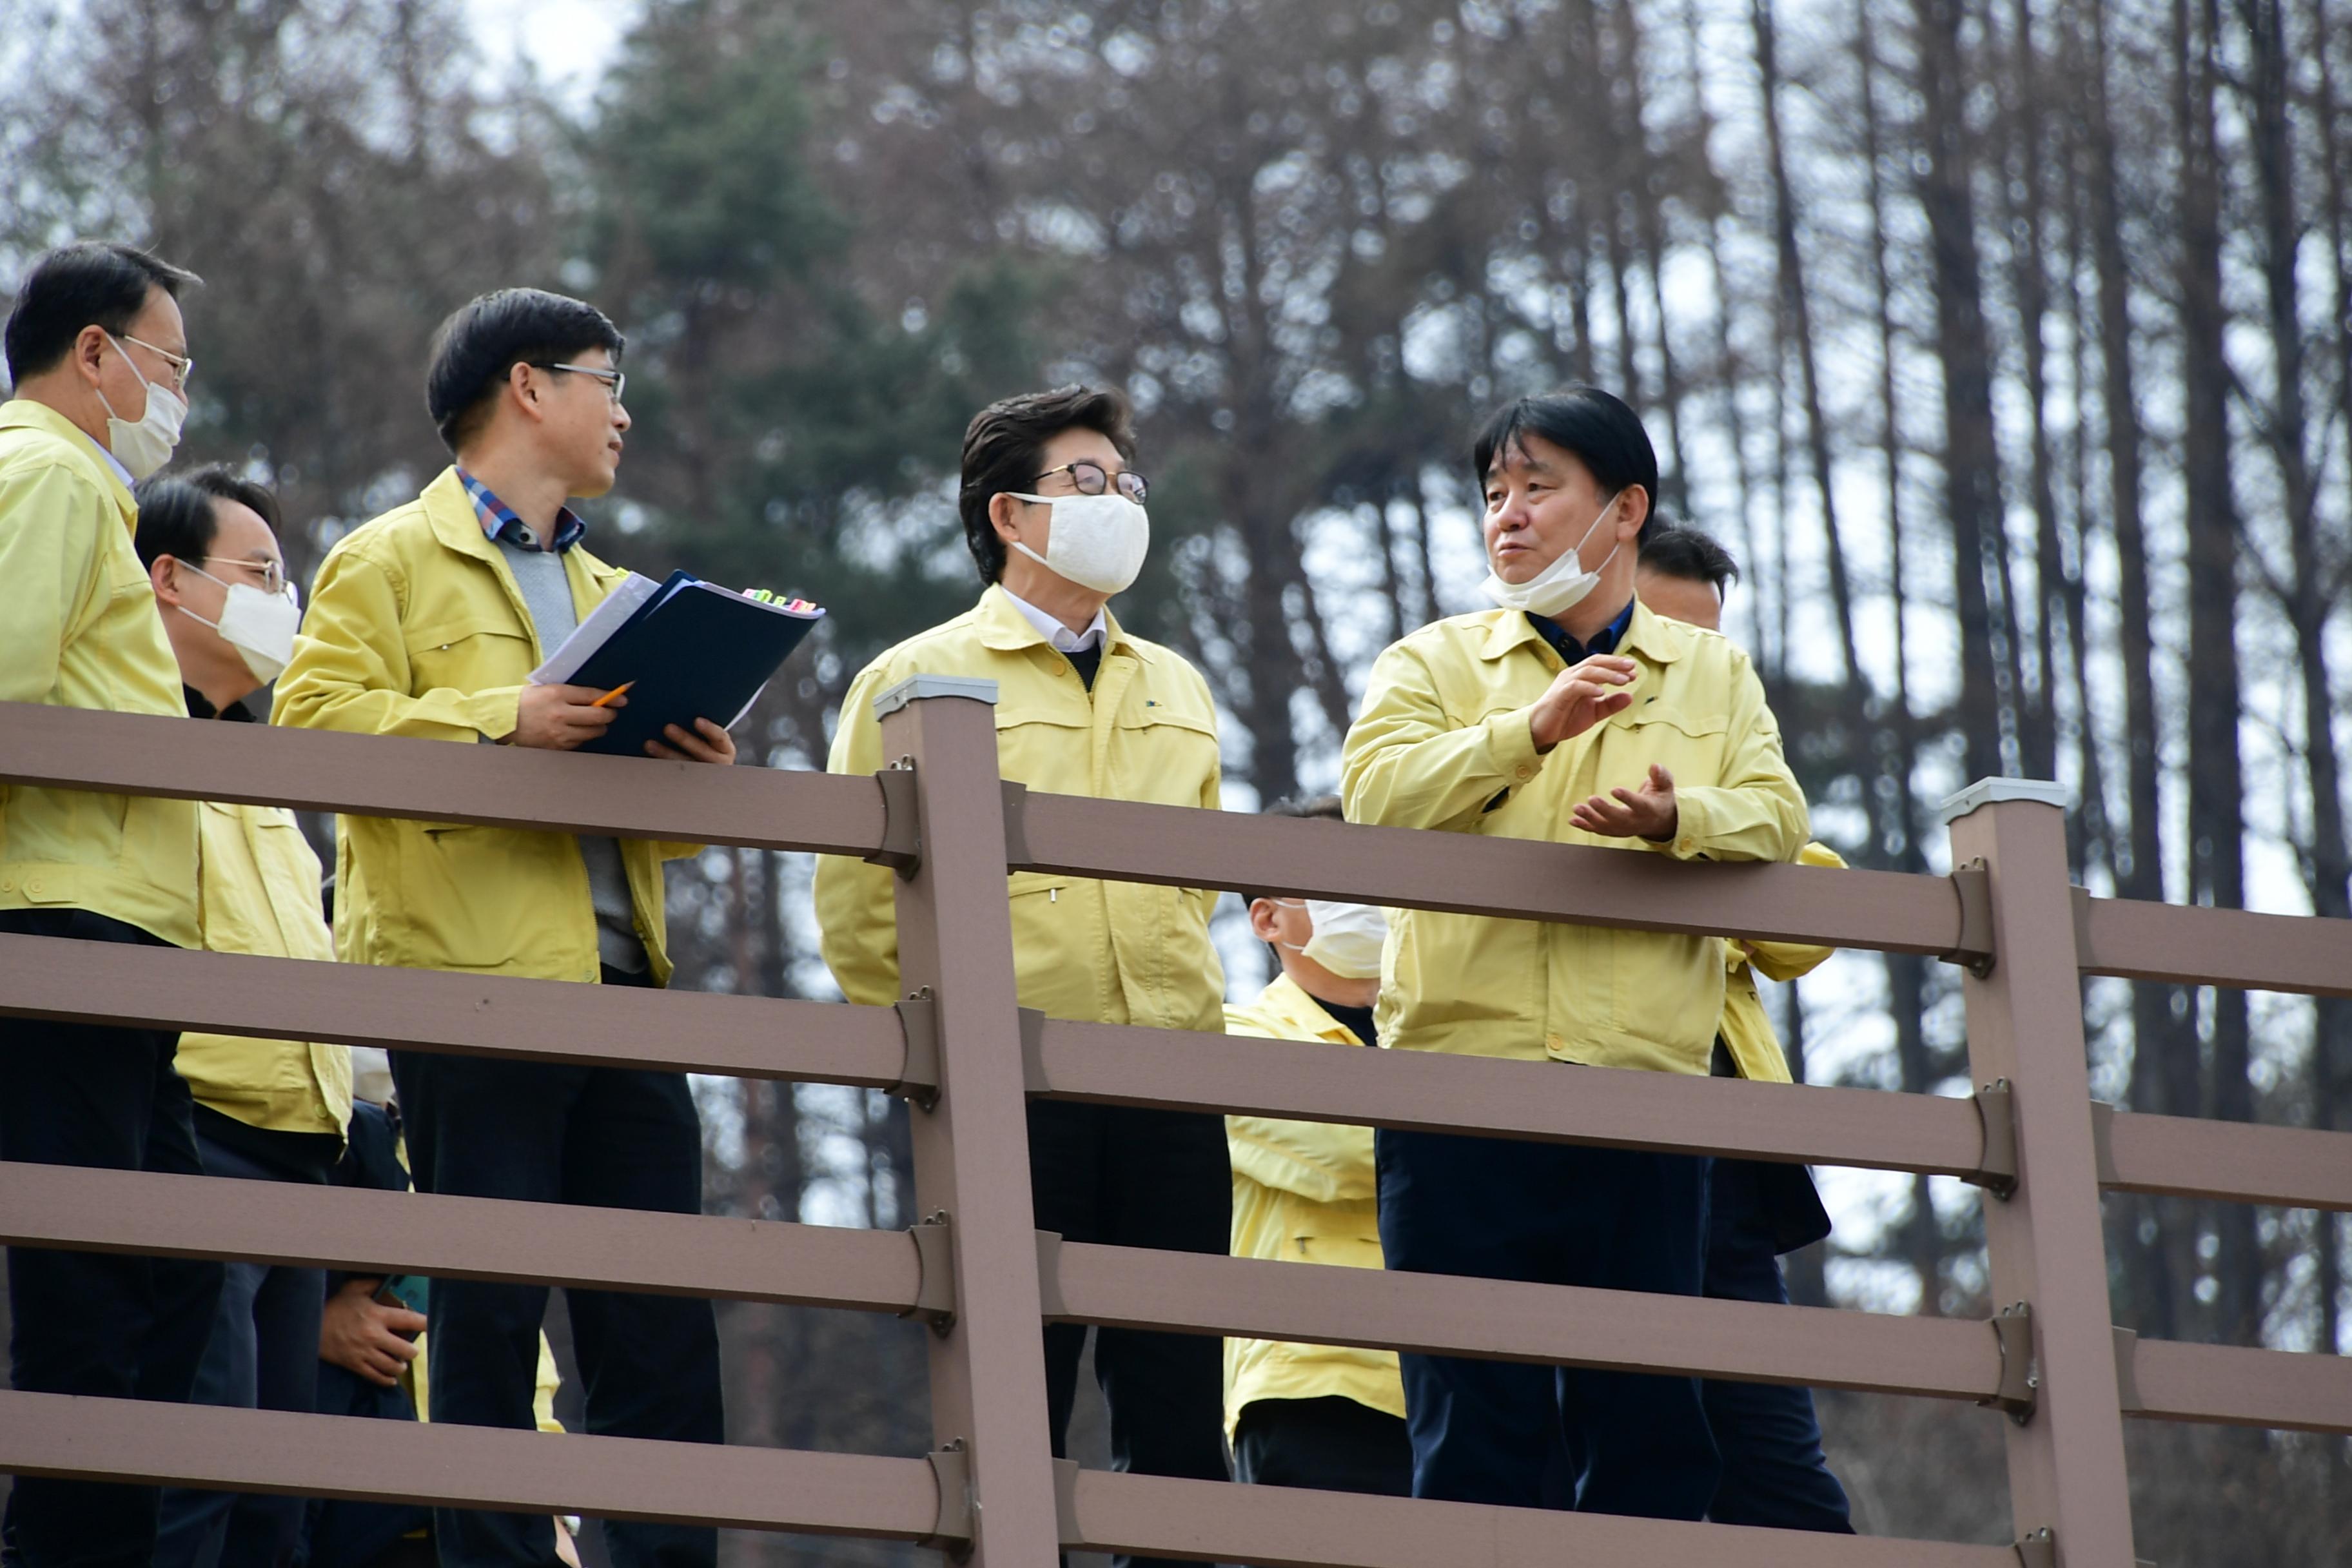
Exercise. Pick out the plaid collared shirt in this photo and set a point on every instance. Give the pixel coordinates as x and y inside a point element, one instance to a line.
<point>500,521</point>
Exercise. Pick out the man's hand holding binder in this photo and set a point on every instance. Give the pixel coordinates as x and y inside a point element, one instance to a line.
<point>564,718</point>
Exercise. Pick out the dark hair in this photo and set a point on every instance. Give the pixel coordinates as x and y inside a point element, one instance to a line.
<point>1690,555</point>
<point>1001,448</point>
<point>1605,436</point>
<point>93,284</point>
<point>1323,807</point>
<point>177,516</point>
<point>486,337</point>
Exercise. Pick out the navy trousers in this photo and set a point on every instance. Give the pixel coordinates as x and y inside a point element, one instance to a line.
<point>541,1132</point>
<point>1486,1431</point>
<point>94,1323</point>
<point>1774,1472</point>
<point>263,1355</point>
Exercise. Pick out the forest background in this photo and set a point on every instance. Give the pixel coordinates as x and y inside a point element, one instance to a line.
<point>2007,343</point>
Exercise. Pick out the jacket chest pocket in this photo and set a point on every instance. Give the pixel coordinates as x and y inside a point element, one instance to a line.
<point>1680,741</point>
<point>469,653</point>
<point>1164,755</point>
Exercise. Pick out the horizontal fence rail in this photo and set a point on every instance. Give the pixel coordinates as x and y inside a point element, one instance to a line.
<point>470,1467</point>
<point>1121,841</point>
<point>436,780</point>
<point>434,1010</point>
<point>370,1232</point>
<point>1313,1081</point>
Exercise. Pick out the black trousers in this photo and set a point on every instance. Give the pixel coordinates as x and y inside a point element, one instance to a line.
<point>1331,1444</point>
<point>89,1322</point>
<point>1774,1472</point>
<point>263,1355</point>
<point>605,1137</point>
<point>1128,1177</point>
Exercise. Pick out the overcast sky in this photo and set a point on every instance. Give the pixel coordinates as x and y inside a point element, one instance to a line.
<point>570,41</point>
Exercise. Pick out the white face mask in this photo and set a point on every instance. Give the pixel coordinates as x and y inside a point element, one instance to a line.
<point>145,446</point>
<point>1553,590</point>
<point>1097,541</point>
<point>259,625</point>
<point>1347,939</point>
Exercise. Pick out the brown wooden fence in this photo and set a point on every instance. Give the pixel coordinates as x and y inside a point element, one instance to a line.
<point>967,1056</point>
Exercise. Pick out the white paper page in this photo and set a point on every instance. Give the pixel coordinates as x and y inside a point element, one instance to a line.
<point>595,631</point>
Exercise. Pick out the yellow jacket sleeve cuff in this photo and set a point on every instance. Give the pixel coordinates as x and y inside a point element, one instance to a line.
<point>495,712</point>
<point>1511,745</point>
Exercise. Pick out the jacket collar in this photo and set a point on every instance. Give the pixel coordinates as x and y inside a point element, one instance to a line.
<point>1653,637</point>
<point>1287,999</point>
<point>24,414</point>
<point>454,522</point>
<point>1002,626</point>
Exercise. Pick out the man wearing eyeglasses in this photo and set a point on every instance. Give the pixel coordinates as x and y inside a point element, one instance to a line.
<point>428,622</point>
<point>97,353</point>
<point>270,1111</point>
<point>1053,511</point>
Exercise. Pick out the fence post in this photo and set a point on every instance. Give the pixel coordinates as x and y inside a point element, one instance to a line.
<point>972,1143</point>
<point>2046,1250</point>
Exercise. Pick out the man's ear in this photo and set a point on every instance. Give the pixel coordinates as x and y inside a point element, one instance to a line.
<point>165,576</point>
<point>1633,511</point>
<point>90,353</point>
<point>1000,513</point>
<point>1262,918</point>
<point>523,387</point>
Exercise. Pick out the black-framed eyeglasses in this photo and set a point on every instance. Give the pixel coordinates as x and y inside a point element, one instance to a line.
<point>1093,480</point>
<point>614,380</point>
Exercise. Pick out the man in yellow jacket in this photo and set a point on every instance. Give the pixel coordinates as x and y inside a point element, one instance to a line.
<point>1329,1418</point>
<point>1053,511</point>
<point>1774,1472</point>
<point>428,622</point>
<point>1567,714</point>
<point>272,1110</point>
<point>98,355</point>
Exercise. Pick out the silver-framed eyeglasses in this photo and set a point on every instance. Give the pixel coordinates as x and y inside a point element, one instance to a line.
<point>273,572</point>
<point>1092,480</point>
<point>182,366</point>
<point>614,380</point>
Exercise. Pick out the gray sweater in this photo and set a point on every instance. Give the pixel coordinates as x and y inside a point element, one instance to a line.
<point>548,594</point>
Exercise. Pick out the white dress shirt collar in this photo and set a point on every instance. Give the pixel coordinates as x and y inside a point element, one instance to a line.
<point>1062,638</point>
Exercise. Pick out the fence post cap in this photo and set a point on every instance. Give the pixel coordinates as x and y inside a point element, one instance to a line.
<point>1989,792</point>
<point>915,688</point>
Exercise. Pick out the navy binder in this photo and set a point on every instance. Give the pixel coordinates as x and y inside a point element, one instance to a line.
<point>694,650</point>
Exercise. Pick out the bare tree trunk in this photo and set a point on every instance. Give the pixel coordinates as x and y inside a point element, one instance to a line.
<point>1796,310</point>
<point>1642,193</point>
<point>1906,974</point>
<point>1971,455</point>
<point>2037,719</point>
<point>2331,1050</point>
<point>2216,778</point>
<point>2306,597</point>
<point>2157,1035</point>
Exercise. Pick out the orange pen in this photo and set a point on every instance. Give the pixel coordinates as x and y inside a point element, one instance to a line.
<point>607,698</point>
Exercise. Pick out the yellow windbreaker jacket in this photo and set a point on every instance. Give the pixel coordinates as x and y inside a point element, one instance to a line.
<point>417,628</point>
<point>1747,1028</point>
<point>1113,952</point>
<point>260,895</point>
<point>1444,743</point>
<point>1304,1191</point>
<point>78,629</point>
